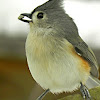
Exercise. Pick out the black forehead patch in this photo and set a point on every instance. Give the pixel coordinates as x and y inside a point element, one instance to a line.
<point>33,11</point>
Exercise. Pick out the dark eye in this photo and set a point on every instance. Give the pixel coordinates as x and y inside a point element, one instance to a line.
<point>40,15</point>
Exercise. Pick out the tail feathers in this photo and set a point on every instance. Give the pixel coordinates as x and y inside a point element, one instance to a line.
<point>92,82</point>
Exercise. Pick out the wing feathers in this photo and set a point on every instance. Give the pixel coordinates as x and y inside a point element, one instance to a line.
<point>84,51</point>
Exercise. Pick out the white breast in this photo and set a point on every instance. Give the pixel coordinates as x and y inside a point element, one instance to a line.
<point>52,64</point>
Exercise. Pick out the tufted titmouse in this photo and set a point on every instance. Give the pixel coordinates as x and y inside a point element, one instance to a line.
<point>59,60</point>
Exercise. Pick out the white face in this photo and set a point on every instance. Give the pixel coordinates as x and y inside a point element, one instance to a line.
<point>39,18</point>
<point>39,24</point>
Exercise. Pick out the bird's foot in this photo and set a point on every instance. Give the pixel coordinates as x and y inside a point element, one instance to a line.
<point>43,94</point>
<point>85,92</point>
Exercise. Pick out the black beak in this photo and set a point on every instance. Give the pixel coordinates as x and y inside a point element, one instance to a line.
<point>21,17</point>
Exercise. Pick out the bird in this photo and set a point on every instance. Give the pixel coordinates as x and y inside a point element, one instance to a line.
<point>58,58</point>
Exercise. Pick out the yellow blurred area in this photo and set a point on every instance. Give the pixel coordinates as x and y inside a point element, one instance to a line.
<point>15,80</point>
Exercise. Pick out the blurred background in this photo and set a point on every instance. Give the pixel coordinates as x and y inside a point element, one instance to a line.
<point>16,82</point>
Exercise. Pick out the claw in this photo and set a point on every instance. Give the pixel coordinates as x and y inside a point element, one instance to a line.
<point>85,92</point>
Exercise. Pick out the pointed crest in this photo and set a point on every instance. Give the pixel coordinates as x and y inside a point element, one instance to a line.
<point>51,4</point>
